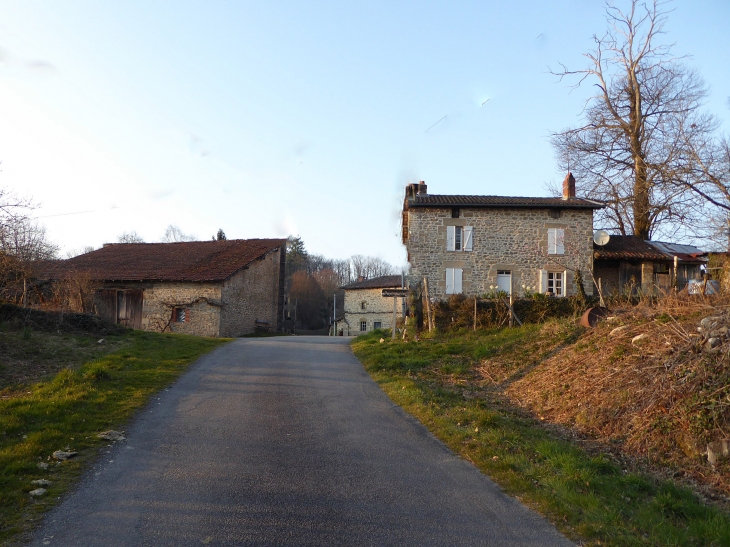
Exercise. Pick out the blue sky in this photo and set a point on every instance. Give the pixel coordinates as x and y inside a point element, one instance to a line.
<point>271,118</point>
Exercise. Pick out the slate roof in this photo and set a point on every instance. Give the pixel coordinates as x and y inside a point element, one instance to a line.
<point>435,200</point>
<point>186,261</point>
<point>632,247</point>
<point>383,282</point>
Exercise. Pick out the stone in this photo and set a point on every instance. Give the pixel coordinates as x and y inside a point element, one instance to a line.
<point>712,343</point>
<point>38,492</point>
<point>42,465</point>
<point>618,330</point>
<point>711,323</point>
<point>718,450</point>
<point>111,435</point>
<point>62,455</point>
<point>639,338</point>
<point>101,341</point>
<point>41,482</point>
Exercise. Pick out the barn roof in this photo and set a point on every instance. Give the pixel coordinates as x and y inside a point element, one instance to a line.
<point>632,247</point>
<point>382,282</point>
<point>185,261</point>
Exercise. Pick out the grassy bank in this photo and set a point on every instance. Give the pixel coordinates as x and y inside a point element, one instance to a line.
<point>68,409</point>
<point>589,496</point>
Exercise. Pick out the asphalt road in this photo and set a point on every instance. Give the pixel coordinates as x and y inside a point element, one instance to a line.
<point>285,441</point>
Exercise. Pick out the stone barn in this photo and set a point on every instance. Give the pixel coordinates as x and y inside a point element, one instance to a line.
<point>365,307</point>
<point>208,288</point>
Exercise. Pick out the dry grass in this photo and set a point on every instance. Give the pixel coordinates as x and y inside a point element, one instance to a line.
<point>662,399</point>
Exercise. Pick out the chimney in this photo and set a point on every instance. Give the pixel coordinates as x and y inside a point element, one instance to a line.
<point>569,186</point>
<point>422,188</point>
<point>360,278</point>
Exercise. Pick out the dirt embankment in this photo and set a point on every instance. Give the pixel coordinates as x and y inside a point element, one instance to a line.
<point>652,382</point>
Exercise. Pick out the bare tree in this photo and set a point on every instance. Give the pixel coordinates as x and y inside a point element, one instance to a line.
<point>369,267</point>
<point>636,141</point>
<point>173,234</point>
<point>26,240</point>
<point>129,237</point>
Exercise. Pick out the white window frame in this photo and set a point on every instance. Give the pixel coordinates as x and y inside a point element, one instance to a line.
<point>556,241</point>
<point>454,280</point>
<point>365,325</point>
<point>460,238</point>
<point>508,274</point>
<point>545,284</point>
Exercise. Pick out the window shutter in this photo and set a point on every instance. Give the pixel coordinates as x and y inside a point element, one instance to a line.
<point>449,280</point>
<point>543,281</point>
<point>559,241</point>
<point>468,238</point>
<point>551,243</point>
<point>187,315</point>
<point>451,238</point>
<point>457,280</point>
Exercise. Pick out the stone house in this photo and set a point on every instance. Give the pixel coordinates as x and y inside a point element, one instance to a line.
<point>630,263</point>
<point>366,309</point>
<point>477,244</point>
<point>207,288</point>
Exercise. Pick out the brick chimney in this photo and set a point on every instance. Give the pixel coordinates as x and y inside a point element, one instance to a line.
<point>422,188</point>
<point>569,186</point>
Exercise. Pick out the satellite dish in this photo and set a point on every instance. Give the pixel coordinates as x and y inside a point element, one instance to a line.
<point>601,237</point>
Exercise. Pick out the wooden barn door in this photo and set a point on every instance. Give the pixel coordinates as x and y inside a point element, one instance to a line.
<point>106,304</point>
<point>129,308</point>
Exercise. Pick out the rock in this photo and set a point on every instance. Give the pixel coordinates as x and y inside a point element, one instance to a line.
<point>41,482</point>
<point>612,318</point>
<point>718,450</point>
<point>711,323</point>
<point>382,340</point>
<point>63,455</point>
<point>37,492</point>
<point>639,338</point>
<point>712,343</point>
<point>42,465</point>
<point>101,341</point>
<point>111,435</point>
<point>618,330</point>
<point>719,332</point>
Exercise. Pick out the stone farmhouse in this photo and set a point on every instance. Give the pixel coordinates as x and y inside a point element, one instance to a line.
<point>629,263</point>
<point>207,288</point>
<point>473,245</point>
<point>365,307</point>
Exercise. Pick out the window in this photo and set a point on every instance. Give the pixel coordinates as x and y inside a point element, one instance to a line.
<point>556,240</point>
<point>182,315</point>
<point>504,281</point>
<point>453,280</point>
<point>363,326</point>
<point>555,283</point>
<point>362,305</point>
<point>377,325</point>
<point>455,212</point>
<point>459,238</point>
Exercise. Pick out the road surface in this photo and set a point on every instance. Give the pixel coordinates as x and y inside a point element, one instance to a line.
<point>285,441</point>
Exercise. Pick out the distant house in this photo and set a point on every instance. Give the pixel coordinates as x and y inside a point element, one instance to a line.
<point>473,244</point>
<point>365,307</point>
<point>209,288</point>
<point>629,263</point>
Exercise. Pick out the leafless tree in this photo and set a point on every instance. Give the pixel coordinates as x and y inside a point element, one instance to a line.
<point>26,240</point>
<point>173,234</point>
<point>369,267</point>
<point>635,144</point>
<point>130,237</point>
<point>76,252</point>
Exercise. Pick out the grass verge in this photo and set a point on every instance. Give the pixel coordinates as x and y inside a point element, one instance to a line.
<point>70,409</point>
<point>588,497</point>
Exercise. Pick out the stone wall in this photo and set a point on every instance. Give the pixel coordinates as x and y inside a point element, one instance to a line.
<point>253,294</point>
<point>202,302</point>
<point>377,309</point>
<point>513,239</point>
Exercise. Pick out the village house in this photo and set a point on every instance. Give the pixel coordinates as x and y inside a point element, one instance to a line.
<point>366,308</point>
<point>629,263</point>
<point>474,245</point>
<point>208,288</point>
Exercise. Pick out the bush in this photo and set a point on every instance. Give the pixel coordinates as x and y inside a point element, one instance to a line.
<point>458,311</point>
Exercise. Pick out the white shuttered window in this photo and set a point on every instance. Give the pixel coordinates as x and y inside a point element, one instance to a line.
<point>453,280</point>
<point>459,238</point>
<point>556,241</point>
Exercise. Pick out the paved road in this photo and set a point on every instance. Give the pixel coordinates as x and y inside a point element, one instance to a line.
<point>285,441</point>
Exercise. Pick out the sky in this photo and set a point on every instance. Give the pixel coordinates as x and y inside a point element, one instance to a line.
<point>274,118</point>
